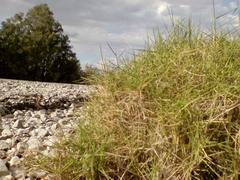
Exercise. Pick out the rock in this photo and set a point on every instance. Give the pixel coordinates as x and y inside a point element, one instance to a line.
<point>63,121</point>
<point>7,131</point>
<point>57,114</point>
<point>15,160</point>
<point>4,145</point>
<point>42,115</point>
<point>54,127</point>
<point>9,141</point>
<point>3,110</point>
<point>18,124</point>
<point>3,169</point>
<point>33,122</point>
<point>18,113</point>
<point>33,132</point>
<point>29,114</point>
<point>41,132</point>
<point>38,174</point>
<point>21,132</point>
<point>50,141</point>
<point>18,173</point>
<point>21,147</point>
<point>8,177</point>
<point>12,152</point>
<point>15,140</point>
<point>3,154</point>
<point>34,144</point>
<point>72,107</point>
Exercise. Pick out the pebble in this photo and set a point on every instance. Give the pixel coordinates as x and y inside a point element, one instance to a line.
<point>41,132</point>
<point>4,145</point>
<point>21,147</point>
<point>18,124</point>
<point>8,177</point>
<point>3,169</point>
<point>15,160</point>
<point>34,144</point>
<point>6,131</point>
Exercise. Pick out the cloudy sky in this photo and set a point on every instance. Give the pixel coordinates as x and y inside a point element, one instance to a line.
<point>124,24</point>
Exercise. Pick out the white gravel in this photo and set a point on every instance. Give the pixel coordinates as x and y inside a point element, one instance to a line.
<point>32,115</point>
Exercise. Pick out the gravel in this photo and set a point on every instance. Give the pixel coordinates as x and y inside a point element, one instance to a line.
<point>32,116</point>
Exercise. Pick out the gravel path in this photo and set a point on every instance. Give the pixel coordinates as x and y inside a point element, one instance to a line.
<point>32,115</point>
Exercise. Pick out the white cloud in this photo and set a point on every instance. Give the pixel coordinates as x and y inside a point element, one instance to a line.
<point>162,7</point>
<point>122,23</point>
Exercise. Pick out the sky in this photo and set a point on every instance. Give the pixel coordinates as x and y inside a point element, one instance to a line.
<point>123,24</point>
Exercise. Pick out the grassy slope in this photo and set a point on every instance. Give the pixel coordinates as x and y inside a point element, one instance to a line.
<point>172,112</point>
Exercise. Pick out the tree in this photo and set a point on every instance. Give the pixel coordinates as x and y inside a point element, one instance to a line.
<point>34,47</point>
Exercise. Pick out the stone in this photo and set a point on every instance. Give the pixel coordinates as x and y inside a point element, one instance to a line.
<point>8,177</point>
<point>33,132</point>
<point>57,114</point>
<point>50,141</point>
<point>42,112</point>
<point>3,169</point>
<point>18,113</point>
<point>63,121</point>
<point>3,110</point>
<point>41,132</point>
<point>29,114</point>
<point>34,144</point>
<point>4,145</point>
<point>18,173</point>
<point>15,160</point>
<point>11,153</point>
<point>21,147</point>
<point>7,131</point>
<point>42,115</point>
<point>22,131</point>
<point>15,140</point>
<point>33,121</point>
<point>18,124</point>
<point>3,154</point>
<point>38,174</point>
<point>9,141</point>
<point>54,127</point>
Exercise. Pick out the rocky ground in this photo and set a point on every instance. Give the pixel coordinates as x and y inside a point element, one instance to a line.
<point>32,116</point>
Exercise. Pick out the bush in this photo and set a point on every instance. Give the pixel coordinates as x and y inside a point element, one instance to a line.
<point>171,113</point>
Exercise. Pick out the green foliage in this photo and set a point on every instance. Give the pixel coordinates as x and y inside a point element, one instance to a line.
<point>34,47</point>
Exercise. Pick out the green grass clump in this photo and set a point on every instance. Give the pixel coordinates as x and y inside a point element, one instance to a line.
<point>170,113</point>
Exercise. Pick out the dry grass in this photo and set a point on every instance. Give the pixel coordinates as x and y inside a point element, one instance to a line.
<point>171,113</point>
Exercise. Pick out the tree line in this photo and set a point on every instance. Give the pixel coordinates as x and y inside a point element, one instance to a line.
<point>34,47</point>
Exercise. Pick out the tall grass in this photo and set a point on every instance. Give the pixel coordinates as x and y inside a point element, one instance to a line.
<point>170,113</point>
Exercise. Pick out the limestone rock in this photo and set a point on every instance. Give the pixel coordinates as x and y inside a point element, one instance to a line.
<point>3,169</point>
<point>8,177</point>
<point>7,131</point>
<point>18,124</point>
<point>21,147</point>
<point>41,132</point>
<point>4,145</point>
<point>15,160</point>
<point>34,144</point>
